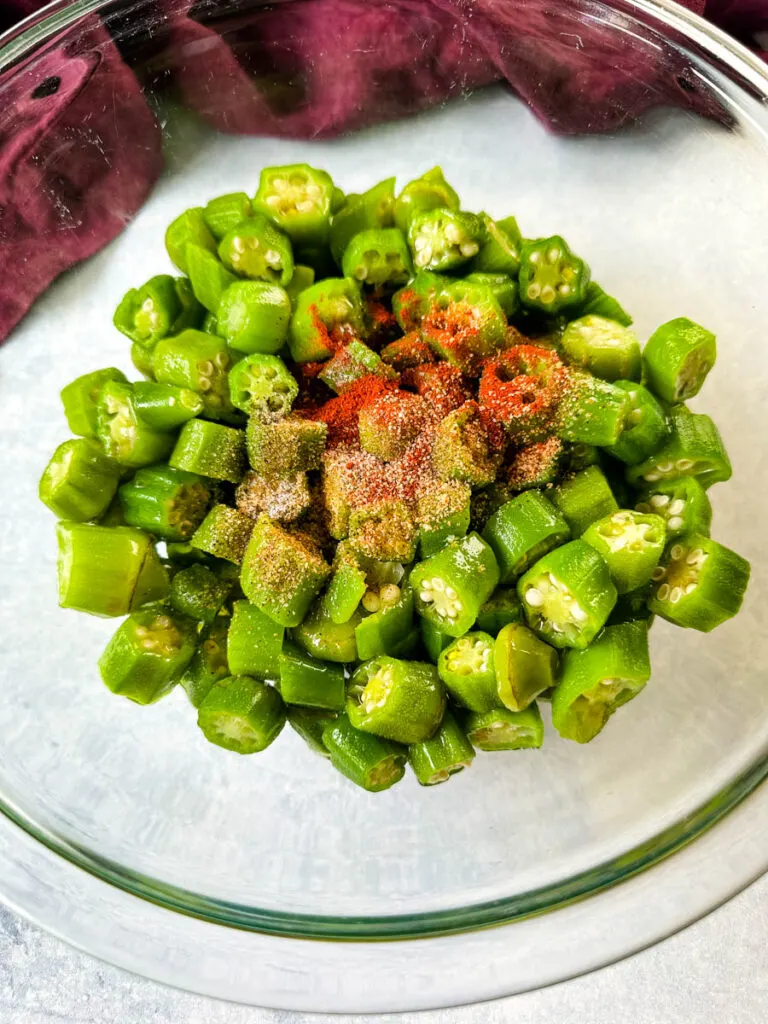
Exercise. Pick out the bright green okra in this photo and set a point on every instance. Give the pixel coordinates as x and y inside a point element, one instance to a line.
<point>254,643</point>
<point>199,593</point>
<point>677,359</point>
<point>584,498</point>
<point>167,502</point>
<point>524,665</point>
<point>452,585</point>
<point>147,655</point>
<point>210,449</point>
<point>310,682</point>
<point>209,662</point>
<point>371,762</point>
<point>693,448</point>
<point>631,544</point>
<point>398,700</point>
<point>682,504</point>
<point>466,668</point>
<point>447,752</point>
<point>80,399</point>
<point>242,714</point>
<point>79,481</point>
<point>502,729</point>
<point>523,530</point>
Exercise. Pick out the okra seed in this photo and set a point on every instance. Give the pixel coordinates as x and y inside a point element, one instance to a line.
<point>534,597</point>
<point>314,191</point>
<point>535,257</point>
<point>665,467</point>
<point>273,200</point>
<point>690,588</point>
<point>423,257</point>
<point>677,553</point>
<point>454,234</point>
<point>442,612</point>
<point>694,556</point>
<point>675,594</point>
<point>578,613</point>
<point>239,245</point>
<point>553,255</point>
<point>651,477</point>
<point>361,272</point>
<point>389,593</point>
<point>675,522</point>
<point>547,293</point>
<point>676,507</point>
<point>659,573</point>
<point>204,384</point>
<point>564,289</point>
<point>426,596</point>
<point>533,291</point>
<point>371,601</point>
<point>142,631</point>
<point>426,585</point>
<point>636,416</point>
<point>420,243</point>
<point>438,584</point>
<point>280,184</point>
<point>663,592</point>
<point>450,593</point>
<point>273,258</point>
<point>305,206</point>
<point>684,465</point>
<point>469,249</point>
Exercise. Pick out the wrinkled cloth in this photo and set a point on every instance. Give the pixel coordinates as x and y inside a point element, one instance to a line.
<point>80,149</point>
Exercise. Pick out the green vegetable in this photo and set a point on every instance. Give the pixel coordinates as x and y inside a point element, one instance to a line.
<point>370,762</point>
<point>449,751</point>
<point>429,192</point>
<point>466,668</point>
<point>524,666</point>
<point>500,251</point>
<point>452,585</point>
<point>442,515</point>
<point>224,533</point>
<point>209,662</point>
<point>164,305</point>
<point>168,502</point>
<point>552,278</point>
<point>597,681</point>
<point>284,447</point>
<point>390,620</point>
<point>310,682</point>
<point>189,227</point>
<point>630,543</point>
<point>309,723</point>
<point>501,729</point>
<point>682,504</point>
<point>328,307</point>
<point>80,481</point>
<point>163,406</point>
<point>210,449</point>
<point>147,655</point>
<point>584,498</point>
<point>603,347</point>
<point>443,239</point>
<point>523,530</point>
<point>299,200</point>
<point>80,399</point>
<point>645,427</point>
<point>378,257</point>
<point>592,411</point>
<point>501,286</point>
<point>350,363</point>
<point>677,359</point>
<point>372,209</point>
<point>694,448</point>
<point>262,386</point>
<point>254,643</point>
<point>224,213</point>
<point>257,250</point>
<point>501,608</point>
<point>698,583</point>
<point>398,700</point>
<point>323,638</point>
<point>568,595</point>
<point>124,437</point>
<point>199,362</point>
<point>242,715</point>
<point>254,316</point>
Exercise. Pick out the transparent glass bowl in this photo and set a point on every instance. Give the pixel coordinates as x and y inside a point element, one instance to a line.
<point>127,834</point>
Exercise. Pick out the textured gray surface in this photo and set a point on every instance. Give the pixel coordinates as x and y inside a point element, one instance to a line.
<point>715,972</point>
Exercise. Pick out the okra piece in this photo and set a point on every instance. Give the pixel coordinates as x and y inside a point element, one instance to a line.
<point>568,595</point>
<point>199,362</point>
<point>322,312</point>
<point>592,411</point>
<point>256,249</point>
<point>80,481</point>
<point>677,358</point>
<point>464,325</point>
<point>398,700</point>
<point>694,448</point>
<point>633,607</point>
<point>552,278</point>
<point>523,530</point>
<point>390,619</point>
<point>378,257</point>
<point>80,399</point>
<point>242,714</point>
<point>433,639</point>
<point>390,424</point>
<point>462,449</point>
<point>148,654</point>
<point>502,729</point>
<point>224,213</point>
<point>350,363</point>
<point>536,465</point>
<point>209,662</point>
<point>188,227</point>
<point>284,498</point>
<point>345,591</point>
<point>443,239</point>
<point>325,639</point>
<point>164,305</point>
<point>299,200</point>
<point>107,571</point>
<point>412,302</point>
<point>254,316</point>
<point>429,192</point>
<point>372,209</point>
<point>302,278</point>
<point>597,681</point>
<point>598,302</point>
<point>525,666</point>
<point>501,608</point>
<point>124,437</point>
<point>199,593</point>
<point>262,386</point>
<point>452,585</point>
<point>583,499</point>
<point>645,428</point>
<point>698,583</point>
<point>208,276</point>
<point>442,515</point>
<point>224,533</point>
<point>254,643</point>
<point>442,755</point>
<point>467,671</point>
<point>521,389</point>
<point>373,763</point>
<point>501,286</point>
<point>305,680</point>
<point>603,347</point>
<point>142,360</point>
<point>163,406</point>
<point>500,252</point>
<point>631,544</point>
<point>309,723</point>
<point>167,502</point>
<point>682,504</point>
<point>285,447</point>
<point>383,530</point>
<point>210,449</point>
<point>281,573</point>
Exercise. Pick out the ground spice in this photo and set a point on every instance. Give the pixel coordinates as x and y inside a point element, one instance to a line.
<point>442,385</point>
<point>454,331</point>
<point>536,465</point>
<point>522,387</point>
<point>407,352</point>
<point>340,414</point>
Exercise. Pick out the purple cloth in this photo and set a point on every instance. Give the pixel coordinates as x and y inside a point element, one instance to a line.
<point>80,149</point>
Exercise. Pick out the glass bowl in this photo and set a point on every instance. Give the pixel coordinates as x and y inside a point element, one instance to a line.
<point>122,830</point>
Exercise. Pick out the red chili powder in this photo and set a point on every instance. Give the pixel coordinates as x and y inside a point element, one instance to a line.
<point>524,383</point>
<point>340,414</point>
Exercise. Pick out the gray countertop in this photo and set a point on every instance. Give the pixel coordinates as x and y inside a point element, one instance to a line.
<point>714,972</point>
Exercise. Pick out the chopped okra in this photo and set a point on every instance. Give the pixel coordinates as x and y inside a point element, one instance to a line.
<point>376,428</point>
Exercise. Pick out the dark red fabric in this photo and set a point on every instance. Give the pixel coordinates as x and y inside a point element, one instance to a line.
<point>79,152</point>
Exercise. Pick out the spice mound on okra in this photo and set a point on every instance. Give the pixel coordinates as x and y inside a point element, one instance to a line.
<point>394,475</point>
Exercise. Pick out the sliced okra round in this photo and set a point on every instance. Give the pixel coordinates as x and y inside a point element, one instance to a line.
<point>631,544</point>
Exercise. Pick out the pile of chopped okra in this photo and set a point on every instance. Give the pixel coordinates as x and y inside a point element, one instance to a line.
<point>394,472</point>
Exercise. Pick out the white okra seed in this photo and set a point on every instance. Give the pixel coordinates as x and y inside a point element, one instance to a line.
<point>663,592</point>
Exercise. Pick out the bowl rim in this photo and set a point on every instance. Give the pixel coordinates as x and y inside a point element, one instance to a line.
<point>17,43</point>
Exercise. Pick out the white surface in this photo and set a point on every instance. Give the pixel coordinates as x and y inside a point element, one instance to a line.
<point>715,972</point>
